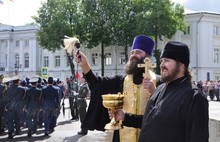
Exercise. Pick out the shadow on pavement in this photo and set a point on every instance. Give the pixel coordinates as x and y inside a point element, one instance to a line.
<point>74,138</point>
<point>64,122</point>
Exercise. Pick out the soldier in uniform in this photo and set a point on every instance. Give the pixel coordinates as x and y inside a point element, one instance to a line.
<point>14,105</point>
<point>60,97</point>
<point>82,104</point>
<point>33,105</point>
<point>23,114</point>
<point>72,91</point>
<point>28,84</point>
<point>137,88</point>
<point>5,84</point>
<point>40,114</point>
<point>3,89</point>
<point>50,105</point>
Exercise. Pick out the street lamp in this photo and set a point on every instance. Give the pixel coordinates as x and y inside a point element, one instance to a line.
<point>17,67</point>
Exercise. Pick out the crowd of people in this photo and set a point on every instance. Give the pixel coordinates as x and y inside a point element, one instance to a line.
<point>35,103</point>
<point>211,88</point>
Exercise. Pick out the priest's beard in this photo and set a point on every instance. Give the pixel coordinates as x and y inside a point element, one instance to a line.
<point>131,68</point>
<point>171,74</point>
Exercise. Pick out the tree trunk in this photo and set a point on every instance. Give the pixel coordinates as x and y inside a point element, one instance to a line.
<point>157,53</point>
<point>126,53</point>
<point>102,59</point>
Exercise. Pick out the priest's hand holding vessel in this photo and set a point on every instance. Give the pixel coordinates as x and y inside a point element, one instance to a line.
<point>113,101</point>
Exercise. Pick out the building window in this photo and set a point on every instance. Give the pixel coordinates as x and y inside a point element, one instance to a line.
<point>17,59</point>
<point>188,30</point>
<point>57,61</point>
<point>26,43</point>
<point>216,32</point>
<point>26,60</point>
<point>108,58</point>
<point>4,43</point>
<point>216,55</point>
<point>94,58</point>
<point>122,58</point>
<point>46,61</point>
<point>17,43</point>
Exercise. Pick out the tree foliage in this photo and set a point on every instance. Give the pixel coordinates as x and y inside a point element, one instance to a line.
<point>55,21</point>
<point>104,23</point>
<point>162,19</point>
<point>124,24</point>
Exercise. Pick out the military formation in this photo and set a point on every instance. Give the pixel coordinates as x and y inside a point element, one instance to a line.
<point>32,102</point>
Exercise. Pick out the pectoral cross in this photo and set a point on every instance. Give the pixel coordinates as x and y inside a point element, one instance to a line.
<point>147,65</point>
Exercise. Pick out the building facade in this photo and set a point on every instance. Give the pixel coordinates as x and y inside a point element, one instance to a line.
<point>203,38</point>
<point>20,53</point>
<point>19,50</point>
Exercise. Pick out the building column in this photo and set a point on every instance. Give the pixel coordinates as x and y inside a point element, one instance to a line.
<point>21,56</point>
<point>7,68</point>
<point>34,53</point>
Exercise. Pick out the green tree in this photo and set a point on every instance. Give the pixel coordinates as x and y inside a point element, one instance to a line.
<point>124,24</point>
<point>55,19</point>
<point>97,15</point>
<point>163,18</point>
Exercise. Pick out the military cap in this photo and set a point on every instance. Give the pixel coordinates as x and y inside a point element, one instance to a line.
<point>15,78</point>
<point>6,79</point>
<point>33,79</point>
<point>55,79</point>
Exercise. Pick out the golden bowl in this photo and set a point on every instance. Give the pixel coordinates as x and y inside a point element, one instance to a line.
<point>112,100</point>
<point>112,97</point>
<point>113,103</point>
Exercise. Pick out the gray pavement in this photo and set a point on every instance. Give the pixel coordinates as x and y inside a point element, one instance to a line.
<point>66,130</point>
<point>214,110</point>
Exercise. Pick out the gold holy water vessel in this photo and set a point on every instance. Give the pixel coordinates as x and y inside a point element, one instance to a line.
<point>113,101</point>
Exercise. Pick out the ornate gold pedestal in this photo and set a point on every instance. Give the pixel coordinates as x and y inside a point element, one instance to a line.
<point>113,101</point>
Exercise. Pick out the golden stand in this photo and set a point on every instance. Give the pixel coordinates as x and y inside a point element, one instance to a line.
<point>113,101</point>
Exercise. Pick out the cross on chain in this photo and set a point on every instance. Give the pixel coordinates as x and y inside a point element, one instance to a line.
<point>147,65</point>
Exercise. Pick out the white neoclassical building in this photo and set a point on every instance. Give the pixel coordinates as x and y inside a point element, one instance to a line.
<point>21,55</point>
<point>203,38</point>
<point>20,52</point>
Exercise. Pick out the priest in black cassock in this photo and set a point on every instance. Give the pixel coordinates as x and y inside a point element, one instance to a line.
<point>137,88</point>
<point>177,111</point>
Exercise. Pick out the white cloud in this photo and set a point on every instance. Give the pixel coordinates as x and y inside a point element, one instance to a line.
<point>203,5</point>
